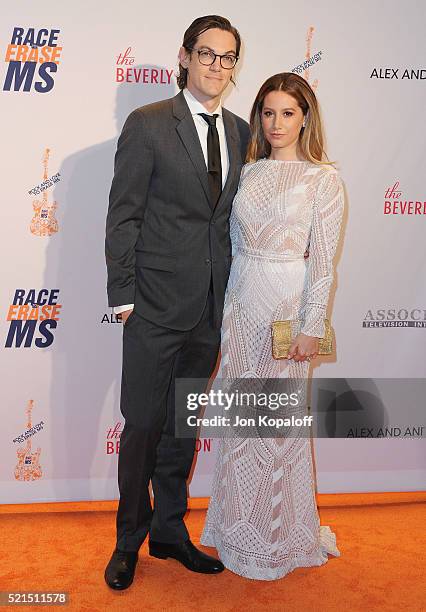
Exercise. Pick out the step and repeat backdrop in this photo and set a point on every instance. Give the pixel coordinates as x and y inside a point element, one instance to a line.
<point>70,75</point>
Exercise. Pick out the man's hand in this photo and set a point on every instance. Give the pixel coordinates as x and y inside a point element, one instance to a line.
<point>126,314</point>
<point>303,348</point>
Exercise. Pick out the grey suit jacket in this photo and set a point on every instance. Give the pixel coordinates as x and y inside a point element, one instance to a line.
<point>164,242</point>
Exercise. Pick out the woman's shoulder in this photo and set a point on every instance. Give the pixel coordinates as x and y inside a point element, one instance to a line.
<point>248,165</point>
<point>329,185</point>
<point>327,175</point>
<point>246,168</point>
<point>325,171</point>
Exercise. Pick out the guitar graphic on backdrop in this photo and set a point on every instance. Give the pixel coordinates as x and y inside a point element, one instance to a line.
<point>28,466</point>
<point>309,35</point>
<point>44,222</point>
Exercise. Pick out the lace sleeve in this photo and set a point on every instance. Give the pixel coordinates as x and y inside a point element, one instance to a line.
<point>326,223</point>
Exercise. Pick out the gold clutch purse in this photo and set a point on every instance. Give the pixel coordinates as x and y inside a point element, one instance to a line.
<point>284,332</point>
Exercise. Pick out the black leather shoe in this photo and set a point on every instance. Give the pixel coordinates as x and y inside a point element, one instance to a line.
<point>120,570</point>
<point>185,552</point>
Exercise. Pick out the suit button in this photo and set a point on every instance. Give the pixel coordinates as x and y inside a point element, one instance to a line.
<point>208,261</point>
<point>212,222</point>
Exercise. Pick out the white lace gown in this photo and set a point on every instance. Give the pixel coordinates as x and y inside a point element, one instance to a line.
<point>262,517</point>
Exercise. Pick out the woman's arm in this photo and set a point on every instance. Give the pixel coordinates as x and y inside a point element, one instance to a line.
<point>233,224</point>
<point>326,223</point>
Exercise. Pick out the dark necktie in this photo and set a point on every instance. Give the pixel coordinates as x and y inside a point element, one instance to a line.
<point>213,155</point>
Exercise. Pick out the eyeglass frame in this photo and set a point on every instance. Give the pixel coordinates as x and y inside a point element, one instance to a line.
<point>237,57</point>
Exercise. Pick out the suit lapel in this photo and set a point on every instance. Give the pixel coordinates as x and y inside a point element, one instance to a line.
<point>188,134</point>
<point>233,144</point>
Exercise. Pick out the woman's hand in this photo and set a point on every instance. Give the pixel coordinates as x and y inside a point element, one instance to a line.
<point>303,348</point>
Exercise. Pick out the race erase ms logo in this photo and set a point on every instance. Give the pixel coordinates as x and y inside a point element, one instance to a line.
<point>32,56</point>
<point>33,315</point>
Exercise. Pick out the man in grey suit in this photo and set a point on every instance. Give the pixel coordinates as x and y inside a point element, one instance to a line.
<point>168,256</point>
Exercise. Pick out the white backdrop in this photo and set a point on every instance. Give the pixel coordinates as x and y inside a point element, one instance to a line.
<point>371,84</point>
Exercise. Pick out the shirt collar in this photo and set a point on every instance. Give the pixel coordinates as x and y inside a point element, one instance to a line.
<point>196,107</point>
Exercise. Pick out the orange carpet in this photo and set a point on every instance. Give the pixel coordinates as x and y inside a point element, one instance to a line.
<point>382,567</point>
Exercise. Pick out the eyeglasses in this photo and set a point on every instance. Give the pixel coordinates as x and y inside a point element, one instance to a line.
<point>207,58</point>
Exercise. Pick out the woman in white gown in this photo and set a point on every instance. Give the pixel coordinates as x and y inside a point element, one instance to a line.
<point>262,517</point>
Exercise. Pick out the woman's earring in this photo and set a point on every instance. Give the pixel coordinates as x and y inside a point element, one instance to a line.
<point>304,123</point>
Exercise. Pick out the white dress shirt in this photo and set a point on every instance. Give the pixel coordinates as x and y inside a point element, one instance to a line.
<point>202,128</point>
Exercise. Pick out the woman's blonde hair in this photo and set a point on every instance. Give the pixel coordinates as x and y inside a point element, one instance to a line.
<point>311,140</point>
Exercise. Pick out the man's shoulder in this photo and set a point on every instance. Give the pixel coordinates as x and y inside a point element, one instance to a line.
<point>243,129</point>
<point>152,112</point>
<point>241,123</point>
